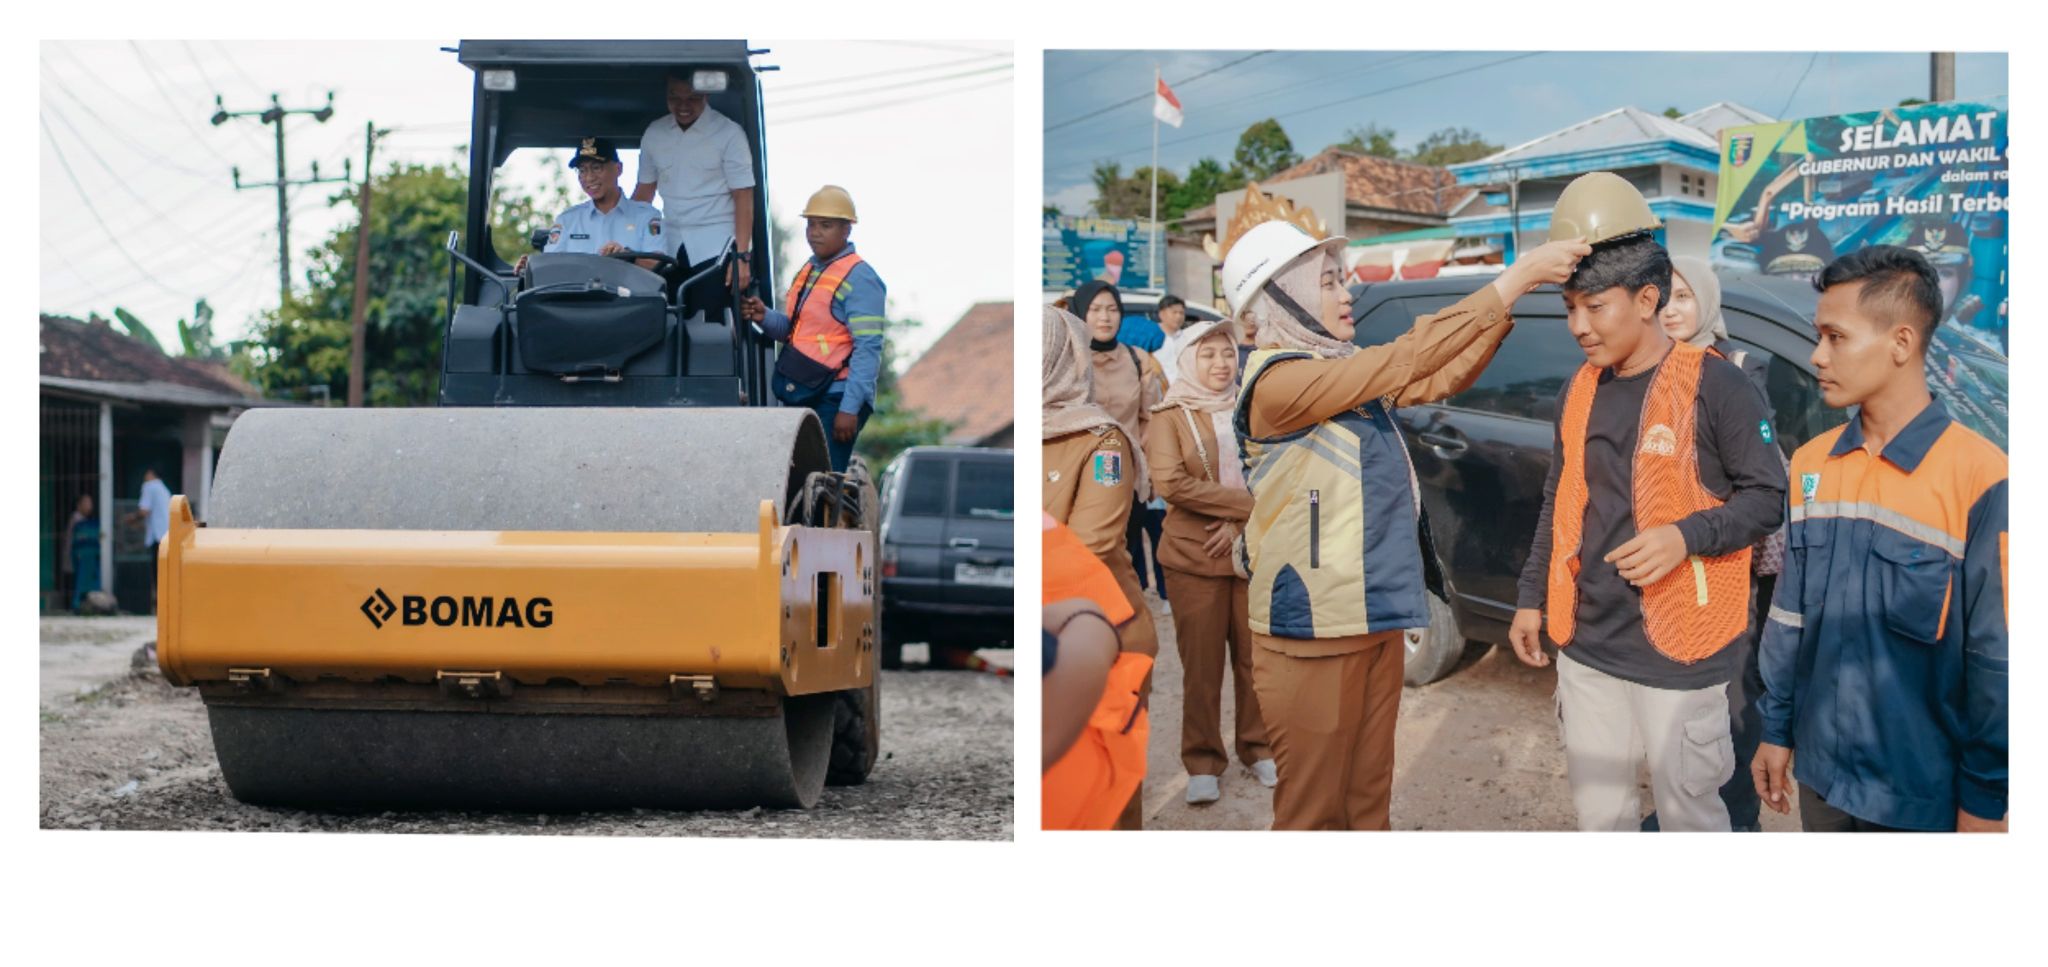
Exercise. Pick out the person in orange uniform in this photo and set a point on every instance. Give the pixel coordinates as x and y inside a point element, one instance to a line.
<point>1090,467</point>
<point>1095,725</point>
<point>1663,477</point>
<point>1335,555</point>
<point>1884,659</point>
<point>1197,466</point>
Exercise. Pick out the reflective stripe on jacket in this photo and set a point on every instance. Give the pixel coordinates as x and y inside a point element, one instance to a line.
<point>1702,605</point>
<point>814,330</point>
<point>1332,535</point>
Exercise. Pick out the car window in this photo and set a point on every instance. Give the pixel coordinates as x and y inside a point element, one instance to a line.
<point>924,488</point>
<point>983,490</point>
<point>1384,323</point>
<point>1528,372</point>
<point>1797,412</point>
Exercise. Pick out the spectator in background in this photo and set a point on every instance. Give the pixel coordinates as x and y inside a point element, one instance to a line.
<point>1127,384</point>
<point>81,557</point>
<point>1090,467</point>
<point>1173,316</point>
<point>155,508</point>
<point>1197,466</point>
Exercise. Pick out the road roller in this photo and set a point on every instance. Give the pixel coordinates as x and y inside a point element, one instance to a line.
<point>608,570</point>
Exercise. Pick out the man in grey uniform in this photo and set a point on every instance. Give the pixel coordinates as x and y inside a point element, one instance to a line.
<point>609,222</point>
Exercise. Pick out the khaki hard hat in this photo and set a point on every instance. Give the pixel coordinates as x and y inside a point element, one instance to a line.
<point>830,201</point>
<point>1261,253</point>
<point>1601,207</point>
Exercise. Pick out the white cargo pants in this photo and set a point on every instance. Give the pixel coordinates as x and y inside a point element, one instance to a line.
<point>1610,725</point>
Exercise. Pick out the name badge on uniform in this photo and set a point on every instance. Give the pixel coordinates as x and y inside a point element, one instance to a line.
<point>1809,484</point>
<point>1108,467</point>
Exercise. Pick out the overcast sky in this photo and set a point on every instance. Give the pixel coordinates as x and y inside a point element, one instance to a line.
<point>1507,96</point>
<point>147,217</point>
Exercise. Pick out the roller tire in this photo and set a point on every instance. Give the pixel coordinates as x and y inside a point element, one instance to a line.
<point>857,712</point>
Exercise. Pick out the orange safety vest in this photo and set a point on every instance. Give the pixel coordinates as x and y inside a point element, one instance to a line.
<point>813,330</point>
<point>1697,609</point>
<point>1089,786</point>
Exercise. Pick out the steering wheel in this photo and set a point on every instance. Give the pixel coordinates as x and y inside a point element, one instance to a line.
<point>663,264</point>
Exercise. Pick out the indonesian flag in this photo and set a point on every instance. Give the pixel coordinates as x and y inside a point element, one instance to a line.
<point>1165,106</point>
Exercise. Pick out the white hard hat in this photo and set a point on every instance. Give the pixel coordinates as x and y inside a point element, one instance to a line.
<point>1263,251</point>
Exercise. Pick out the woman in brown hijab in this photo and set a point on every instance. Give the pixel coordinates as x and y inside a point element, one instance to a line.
<point>1197,467</point>
<point>1090,467</point>
<point>1128,383</point>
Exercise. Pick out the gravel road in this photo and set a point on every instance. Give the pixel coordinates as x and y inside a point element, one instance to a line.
<point>123,749</point>
<point>1476,750</point>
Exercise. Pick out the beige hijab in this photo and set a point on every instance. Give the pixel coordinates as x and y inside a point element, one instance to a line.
<point>1302,281</point>
<point>1069,405</point>
<point>1187,390</point>
<point>1706,290</point>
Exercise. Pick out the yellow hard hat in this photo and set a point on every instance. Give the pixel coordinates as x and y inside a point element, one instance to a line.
<point>1601,206</point>
<point>830,201</point>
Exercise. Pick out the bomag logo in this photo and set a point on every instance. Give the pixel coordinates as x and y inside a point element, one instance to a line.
<point>468,611</point>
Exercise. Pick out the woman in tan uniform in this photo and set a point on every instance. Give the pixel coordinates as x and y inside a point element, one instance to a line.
<point>1332,539</point>
<point>1197,467</point>
<point>1090,466</point>
<point>1128,383</point>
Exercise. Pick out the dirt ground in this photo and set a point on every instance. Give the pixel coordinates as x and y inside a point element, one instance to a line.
<point>1477,750</point>
<point>123,749</point>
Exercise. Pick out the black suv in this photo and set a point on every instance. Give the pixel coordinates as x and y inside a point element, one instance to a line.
<point>948,559</point>
<point>1481,456</point>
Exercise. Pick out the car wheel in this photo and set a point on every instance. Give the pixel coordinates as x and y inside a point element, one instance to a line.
<point>1434,651</point>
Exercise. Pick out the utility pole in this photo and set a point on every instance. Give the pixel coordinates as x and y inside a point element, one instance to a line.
<point>1942,76</point>
<point>362,293</point>
<point>274,115</point>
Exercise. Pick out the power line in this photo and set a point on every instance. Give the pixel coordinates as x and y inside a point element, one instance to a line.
<point>149,70</point>
<point>139,148</point>
<point>1318,107</point>
<point>122,183</point>
<point>1796,84</point>
<point>860,92</point>
<point>1183,82</point>
<point>928,45</point>
<point>1106,64</point>
<point>115,240</point>
<point>896,72</point>
<point>865,108</point>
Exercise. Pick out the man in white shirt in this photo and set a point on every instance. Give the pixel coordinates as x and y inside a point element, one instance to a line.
<point>700,163</point>
<point>1173,315</point>
<point>155,506</point>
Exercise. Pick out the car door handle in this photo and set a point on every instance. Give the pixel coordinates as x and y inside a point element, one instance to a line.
<point>965,543</point>
<point>1446,445</point>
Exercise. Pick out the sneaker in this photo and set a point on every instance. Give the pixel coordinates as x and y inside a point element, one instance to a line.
<point>1268,773</point>
<point>1203,789</point>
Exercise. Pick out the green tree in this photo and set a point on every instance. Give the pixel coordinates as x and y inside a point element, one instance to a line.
<point>1205,180</point>
<point>1264,149</point>
<point>895,427</point>
<point>1451,146</point>
<point>1371,139</point>
<point>304,344</point>
<point>1117,196</point>
<point>1673,113</point>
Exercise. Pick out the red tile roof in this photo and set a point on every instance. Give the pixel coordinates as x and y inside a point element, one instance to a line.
<point>1374,182</point>
<point>965,378</point>
<point>79,350</point>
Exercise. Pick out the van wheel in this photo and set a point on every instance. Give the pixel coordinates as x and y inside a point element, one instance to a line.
<point>1434,651</point>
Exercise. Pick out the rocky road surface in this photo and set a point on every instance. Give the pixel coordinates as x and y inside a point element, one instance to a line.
<point>123,749</point>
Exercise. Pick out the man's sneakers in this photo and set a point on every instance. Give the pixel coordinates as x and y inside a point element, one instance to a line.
<point>1203,790</point>
<point>1268,773</point>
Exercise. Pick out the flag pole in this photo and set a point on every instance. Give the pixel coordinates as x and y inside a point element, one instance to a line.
<point>1152,250</point>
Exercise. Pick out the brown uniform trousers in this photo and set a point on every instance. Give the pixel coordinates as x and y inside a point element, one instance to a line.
<point>1331,716</point>
<point>1093,498</point>
<point>1211,607</point>
<point>1331,703</point>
